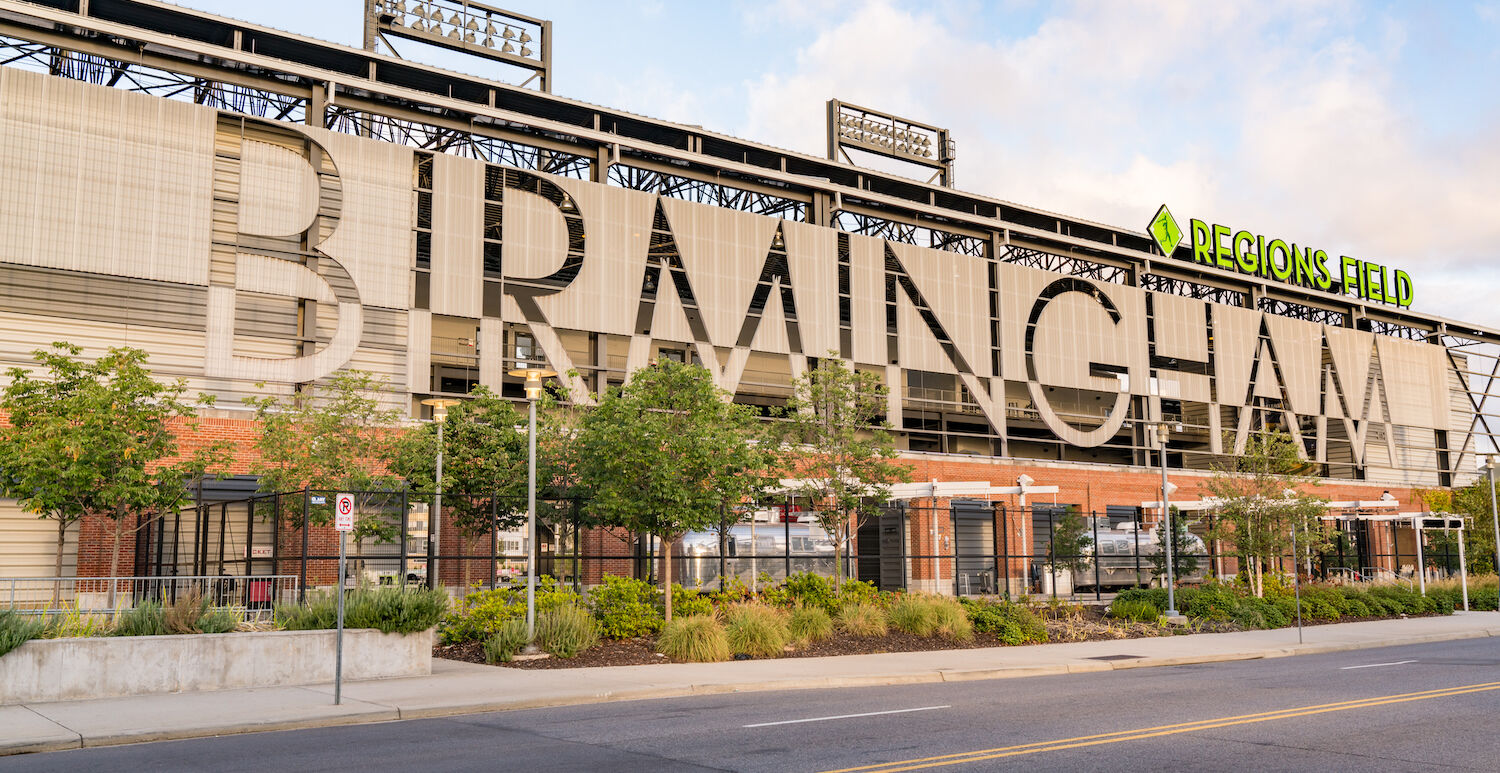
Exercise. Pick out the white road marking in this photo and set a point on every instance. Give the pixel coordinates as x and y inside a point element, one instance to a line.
<point>845,716</point>
<point>1378,665</point>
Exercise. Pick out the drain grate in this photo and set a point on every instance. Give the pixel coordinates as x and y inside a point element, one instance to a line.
<point>1116,657</point>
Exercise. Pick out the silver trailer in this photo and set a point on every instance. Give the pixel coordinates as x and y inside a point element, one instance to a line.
<point>1124,558</point>
<point>752,551</point>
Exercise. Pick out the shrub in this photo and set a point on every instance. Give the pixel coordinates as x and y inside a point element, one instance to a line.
<point>1156,597</point>
<point>1012,623</point>
<point>690,602</point>
<point>1211,602</point>
<point>810,624</point>
<point>914,615</point>
<point>219,620</point>
<point>858,592</point>
<point>694,639</point>
<point>389,610</point>
<point>952,619</point>
<point>145,619</point>
<point>566,631</point>
<point>506,642</point>
<point>16,629</point>
<point>1251,616</point>
<point>756,630</point>
<point>626,607</point>
<point>480,614</point>
<point>734,591</point>
<point>1138,610</point>
<point>862,620</point>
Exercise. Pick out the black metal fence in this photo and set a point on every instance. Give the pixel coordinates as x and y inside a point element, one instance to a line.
<point>967,548</point>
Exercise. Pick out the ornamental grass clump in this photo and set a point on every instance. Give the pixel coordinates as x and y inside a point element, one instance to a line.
<point>389,610</point>
<point>756,630</point>
<point>1135,610</point>
<point>694,639</point>
<point>503,646</point>
<point>810,624</point>
<point>863,620</point>
<point>952,621</point>
<point>913,614</point>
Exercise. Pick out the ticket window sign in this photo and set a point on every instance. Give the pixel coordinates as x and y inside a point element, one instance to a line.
<point>343,512</point>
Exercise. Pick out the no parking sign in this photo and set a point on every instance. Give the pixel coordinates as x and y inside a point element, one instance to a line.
<point>343,512</point>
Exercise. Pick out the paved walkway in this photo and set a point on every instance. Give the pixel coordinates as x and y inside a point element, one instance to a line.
<point>462,688</point>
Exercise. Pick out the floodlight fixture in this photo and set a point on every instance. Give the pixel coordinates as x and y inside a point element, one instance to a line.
<point>457,25</point>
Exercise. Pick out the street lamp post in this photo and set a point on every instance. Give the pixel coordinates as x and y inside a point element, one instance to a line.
<point>440,406</point>
<point>1162,433</point>
<point>533,378</point>
<point>1490,465</point>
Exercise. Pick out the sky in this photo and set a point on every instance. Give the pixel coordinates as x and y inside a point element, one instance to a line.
<point>1370,129</point>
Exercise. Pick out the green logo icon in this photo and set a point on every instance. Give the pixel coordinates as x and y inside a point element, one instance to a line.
<point>1165,230</point>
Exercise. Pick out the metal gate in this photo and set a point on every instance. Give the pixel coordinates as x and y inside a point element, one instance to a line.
<point>974,547</point>
<point>882,548</point>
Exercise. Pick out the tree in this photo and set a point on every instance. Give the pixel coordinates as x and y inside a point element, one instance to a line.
<point>1472,501</point>
<point>333,437</point>
<point>1069,543</point>
<point>99,438</point>
<point>484,463</point>
<point>838,441</point>
<point>662,453</point>
<point>1262,504</point>
<point>1184,559</point>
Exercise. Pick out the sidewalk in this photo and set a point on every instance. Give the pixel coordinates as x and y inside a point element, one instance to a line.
<point>463,688</point>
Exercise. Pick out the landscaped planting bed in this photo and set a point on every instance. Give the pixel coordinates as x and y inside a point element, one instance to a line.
<point>807,617</point>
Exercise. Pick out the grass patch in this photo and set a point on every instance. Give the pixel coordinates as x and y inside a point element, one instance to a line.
<point>863,620</point>
<point>756,630</point>
<point>810,624</point>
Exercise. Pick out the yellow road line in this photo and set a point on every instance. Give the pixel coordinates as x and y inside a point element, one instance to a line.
<point>1160,730</point>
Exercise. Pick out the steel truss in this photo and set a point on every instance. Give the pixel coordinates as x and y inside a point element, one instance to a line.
<point>459,143</point>
<point>702,192</point>
<point>1187,289</point>
<point>1283,308</point>
<point>908,233</point>
<point>1064,264</point>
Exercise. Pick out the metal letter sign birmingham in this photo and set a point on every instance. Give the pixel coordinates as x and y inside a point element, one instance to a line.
<point>1253,254</point>
<point>582,257</point>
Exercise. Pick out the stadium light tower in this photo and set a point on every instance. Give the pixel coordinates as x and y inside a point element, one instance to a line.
<point>466,26</point>
<point>884,134</point>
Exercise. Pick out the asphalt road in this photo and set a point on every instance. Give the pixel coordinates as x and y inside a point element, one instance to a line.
<point>1420,707</point>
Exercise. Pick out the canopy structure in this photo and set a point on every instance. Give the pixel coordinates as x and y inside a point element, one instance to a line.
<point>1420,522</point>
<point>935,489</point>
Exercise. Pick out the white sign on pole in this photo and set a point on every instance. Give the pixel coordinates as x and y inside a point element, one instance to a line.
<point>343,513</point>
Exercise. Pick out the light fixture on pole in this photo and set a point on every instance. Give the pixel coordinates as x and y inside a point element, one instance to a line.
<point>1162,433</point>
<point>440,406</point>
<point>533,378</point>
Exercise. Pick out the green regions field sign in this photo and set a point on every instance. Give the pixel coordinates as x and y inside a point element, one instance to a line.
<point>1254,254</point>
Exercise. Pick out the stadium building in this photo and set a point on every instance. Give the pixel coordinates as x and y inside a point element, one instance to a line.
<point>258,210</point>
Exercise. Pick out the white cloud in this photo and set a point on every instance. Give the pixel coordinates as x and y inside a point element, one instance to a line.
<point>1273,116</point>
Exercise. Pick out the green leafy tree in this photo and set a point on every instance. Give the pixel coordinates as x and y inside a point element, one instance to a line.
<point>1184,549</point>
<point>1069,544</point>
<point>1262,504</point>
<point>334,437</point>
<point>99,438</point>
<point>839,443</point>
<point>484,464</point>
<point>1472,501</point>
<point>661,454</point>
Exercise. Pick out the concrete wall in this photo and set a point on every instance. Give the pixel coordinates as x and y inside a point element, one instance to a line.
<point>44,670</point>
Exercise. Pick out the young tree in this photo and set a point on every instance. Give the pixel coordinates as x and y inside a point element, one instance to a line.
<point>662,453</point>
<point>838,441</point>
<point>1263,504</point>
<point>1069,543</point>
<point>1184,559</point>
<point>335,437</point>
<point>99,438</point>
<point>484,464</point>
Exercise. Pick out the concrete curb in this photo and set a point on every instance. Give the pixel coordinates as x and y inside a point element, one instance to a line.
<point>388,713</point>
